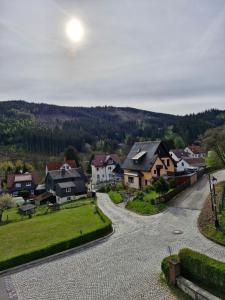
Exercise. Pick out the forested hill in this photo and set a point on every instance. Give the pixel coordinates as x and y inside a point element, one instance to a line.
<point>49,129</point>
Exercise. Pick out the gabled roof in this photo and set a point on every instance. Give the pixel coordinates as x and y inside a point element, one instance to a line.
<point>195,162</point>
<point>146,161</point>
<point>196,149</point>
<point>22,177</point>
<point>71,173</point>
<point>56,165</point>
<point>180,153</point>
<point>101,159</point>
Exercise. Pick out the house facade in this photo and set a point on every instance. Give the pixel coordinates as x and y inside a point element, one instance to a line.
<point>195,151</point>
<point>102,167</point>
<point>57,165</point>
<point>178,154</point>
<point>22,182</point>
<point>66,184</point>
<point>145,162</point>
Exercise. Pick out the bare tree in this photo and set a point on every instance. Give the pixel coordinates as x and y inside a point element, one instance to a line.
<point>5,202</point>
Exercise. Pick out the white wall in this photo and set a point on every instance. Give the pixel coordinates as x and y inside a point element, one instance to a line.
<point>102,174</point>
<point>182,165</point>
<point>173,155</point>
<point>65,199</point>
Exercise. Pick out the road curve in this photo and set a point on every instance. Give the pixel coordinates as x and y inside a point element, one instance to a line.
<point>127,265</point>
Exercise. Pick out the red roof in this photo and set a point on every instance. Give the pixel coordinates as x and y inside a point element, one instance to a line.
<point>56,165</point>
<point>102,159</point>
<point>196,148</point>
<point>11,178</point>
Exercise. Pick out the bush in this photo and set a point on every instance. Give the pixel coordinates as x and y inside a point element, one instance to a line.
<point>203,270</point>
<point>161,186</point>
<point>139,196</point>
<point>105,189</point>
<point>172,183</point>
<point>148,188</point>
<point>165,264</point>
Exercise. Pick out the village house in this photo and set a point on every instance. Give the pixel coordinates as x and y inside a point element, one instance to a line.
<point>57,165</point>
<point>22,182</point>
<point>146,161</point>
<point>178,154</point>
<point>195,151</point>
<point>66,184</point>
<point>102,167</point>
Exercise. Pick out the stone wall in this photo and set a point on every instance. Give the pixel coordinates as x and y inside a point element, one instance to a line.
<point>193,290</point>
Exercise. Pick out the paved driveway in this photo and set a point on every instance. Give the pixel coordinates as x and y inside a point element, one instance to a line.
<point>127,265</point>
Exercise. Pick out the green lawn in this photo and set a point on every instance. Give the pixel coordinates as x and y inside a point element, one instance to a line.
<point>40,232</point>
<point>12,215</point>
<point>115,197</point>
<point>144,207</point>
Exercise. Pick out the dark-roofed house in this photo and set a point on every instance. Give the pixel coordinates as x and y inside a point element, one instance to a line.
<point>146,161</point>
<point>57,165</point>
<point>21,182</point>
<point>102,167</point>
<point>66,184</point>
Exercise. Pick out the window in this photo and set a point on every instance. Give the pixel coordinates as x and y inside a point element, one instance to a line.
<point>68,198</point>
<point>154,171</point>
<point>168,162</point>
<point>131,179</point>
<point>109,168</point>
<point>68,190</point>
<point>28,183</point>
<point>18,185</point>
<point>97,169</point>
<point>182,164</point>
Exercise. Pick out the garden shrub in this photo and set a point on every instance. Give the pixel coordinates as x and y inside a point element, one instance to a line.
<point>148,188</point>
<point>172,183</point>
<point>202,269</point>
<point>139,196</point>
<point>161,186</point>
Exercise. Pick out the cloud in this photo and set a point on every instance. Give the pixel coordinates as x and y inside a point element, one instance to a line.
<point>148,54</point>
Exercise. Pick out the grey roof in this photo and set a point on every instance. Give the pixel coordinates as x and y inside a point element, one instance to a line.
<point>146,161</point>
<point>72,173</point>
<point>64,185</point>
<point>27,207</point>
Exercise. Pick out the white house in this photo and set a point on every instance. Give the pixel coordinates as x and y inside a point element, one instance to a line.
<point>102,167</point>
<point>182,165</point>
<point>178,154</point>
<point>195,151</point>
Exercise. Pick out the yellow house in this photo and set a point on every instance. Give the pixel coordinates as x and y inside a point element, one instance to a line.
<point>146,161</point>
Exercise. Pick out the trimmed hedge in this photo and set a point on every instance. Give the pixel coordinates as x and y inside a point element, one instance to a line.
<point>65,245</point>
<point>203,269</point>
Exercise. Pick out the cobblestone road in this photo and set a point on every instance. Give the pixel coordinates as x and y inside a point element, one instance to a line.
<point>127,265</point>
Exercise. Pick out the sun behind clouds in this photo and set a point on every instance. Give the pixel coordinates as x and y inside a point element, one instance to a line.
<point>75,30</point>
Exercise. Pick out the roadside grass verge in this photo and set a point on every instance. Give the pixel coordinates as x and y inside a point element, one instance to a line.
<point>144,207</point>
<point>206,220</point>
<point>115,197</point>
<point>51,233</point>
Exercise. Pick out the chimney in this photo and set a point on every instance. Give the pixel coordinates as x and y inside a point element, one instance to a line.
<point>63,171</point>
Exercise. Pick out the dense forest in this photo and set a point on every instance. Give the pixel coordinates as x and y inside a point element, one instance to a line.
<point>49,129</point>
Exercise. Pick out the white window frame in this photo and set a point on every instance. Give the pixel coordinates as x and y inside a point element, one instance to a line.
<point>68,190</point>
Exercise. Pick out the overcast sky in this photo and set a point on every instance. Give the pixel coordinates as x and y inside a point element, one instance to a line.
<point>160,55</point>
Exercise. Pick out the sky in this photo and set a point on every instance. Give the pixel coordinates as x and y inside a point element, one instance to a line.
<point>158,55</point>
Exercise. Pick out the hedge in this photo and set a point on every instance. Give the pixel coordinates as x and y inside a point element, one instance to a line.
<point>203,269</point>
<point>62,246</point>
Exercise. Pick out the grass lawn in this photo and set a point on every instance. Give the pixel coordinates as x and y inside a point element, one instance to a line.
<point>144,207</point>
<point>43,231</point>
<point>115,197</point>
<point>206,219</point>
<point>12,215</point>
